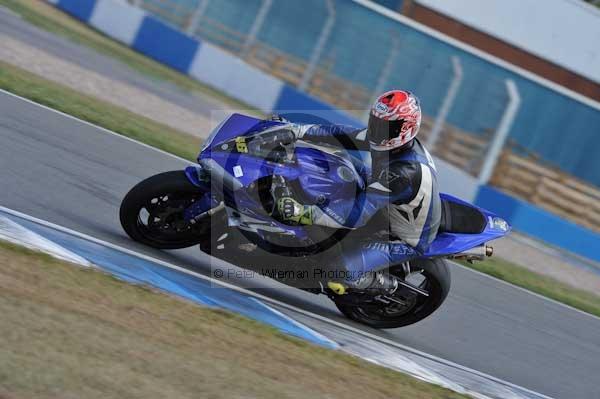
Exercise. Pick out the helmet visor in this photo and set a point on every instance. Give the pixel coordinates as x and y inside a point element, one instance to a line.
<point>381,131</point>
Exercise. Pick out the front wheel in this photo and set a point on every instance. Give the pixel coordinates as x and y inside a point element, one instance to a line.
<point>152,212</point>
<point>430,275</point>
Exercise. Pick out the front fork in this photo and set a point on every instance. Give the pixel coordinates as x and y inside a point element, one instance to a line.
<point>207,204</point>
<point>198,176</point>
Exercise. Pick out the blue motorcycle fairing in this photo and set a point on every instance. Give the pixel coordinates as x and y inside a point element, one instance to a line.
<point>247,169</point>
<point>453,243</point>
<point>194,173</point>
<point>324,176</point>
<point>236,125</point>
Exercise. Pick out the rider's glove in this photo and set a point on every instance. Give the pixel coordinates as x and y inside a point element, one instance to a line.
<point>291,211</point>
<point>298,130</point>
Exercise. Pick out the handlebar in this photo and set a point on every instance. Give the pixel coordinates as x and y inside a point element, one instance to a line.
<point>267,141</point>
<point>283,136</point>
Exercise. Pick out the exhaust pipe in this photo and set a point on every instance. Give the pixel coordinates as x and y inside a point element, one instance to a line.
<point>473,254</point>
<point>208,213</point>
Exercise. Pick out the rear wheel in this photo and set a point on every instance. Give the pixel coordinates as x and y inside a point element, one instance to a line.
<point>152,212</point>
<point>408,307</point>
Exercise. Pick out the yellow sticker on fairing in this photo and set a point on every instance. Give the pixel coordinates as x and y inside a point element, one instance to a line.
<point>240,144</point>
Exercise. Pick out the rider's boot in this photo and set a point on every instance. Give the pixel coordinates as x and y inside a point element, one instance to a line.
<point>376,283</point>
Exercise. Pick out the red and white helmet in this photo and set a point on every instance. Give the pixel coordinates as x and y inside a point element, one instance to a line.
<point>394,120</point>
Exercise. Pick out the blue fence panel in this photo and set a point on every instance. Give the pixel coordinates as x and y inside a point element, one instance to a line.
<point>80,9</point>
<point>165,44</point>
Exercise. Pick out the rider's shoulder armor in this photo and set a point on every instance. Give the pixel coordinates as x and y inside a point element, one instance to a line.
<point>401,171</point>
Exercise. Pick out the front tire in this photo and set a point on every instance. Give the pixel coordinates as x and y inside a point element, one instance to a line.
<point>152,212</point>
<point>437,283</point>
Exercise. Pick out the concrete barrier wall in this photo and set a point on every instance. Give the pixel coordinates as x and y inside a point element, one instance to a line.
<point>235,77</point>
<point>228,73</point>
<point>118,20</point>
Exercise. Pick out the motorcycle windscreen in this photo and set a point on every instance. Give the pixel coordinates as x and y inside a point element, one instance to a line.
<point>236,125</point>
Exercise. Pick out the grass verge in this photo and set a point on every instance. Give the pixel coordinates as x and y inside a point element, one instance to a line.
<point>539,283</point>
<point>101,113</point>
<point>47,17</point>
<point>77,332</point>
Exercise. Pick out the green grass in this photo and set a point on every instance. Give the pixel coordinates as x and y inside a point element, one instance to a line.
<point>35,88</point>
<point>45,16</point>
<point>539,283</point>
<point>72,332</point>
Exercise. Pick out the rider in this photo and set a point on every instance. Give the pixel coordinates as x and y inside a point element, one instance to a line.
<point>402,183</point>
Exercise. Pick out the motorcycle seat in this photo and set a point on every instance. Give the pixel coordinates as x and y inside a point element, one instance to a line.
<point>461,218</point>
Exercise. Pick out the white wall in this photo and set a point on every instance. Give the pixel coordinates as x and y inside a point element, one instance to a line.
<point>117,19</point>
<point>232,75</point>
<point>565,32</point>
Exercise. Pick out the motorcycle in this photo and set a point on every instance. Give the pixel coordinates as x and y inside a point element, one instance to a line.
<point>225,204</point>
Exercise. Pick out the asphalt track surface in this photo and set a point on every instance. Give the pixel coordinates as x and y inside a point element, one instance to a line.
<point>73,174</point>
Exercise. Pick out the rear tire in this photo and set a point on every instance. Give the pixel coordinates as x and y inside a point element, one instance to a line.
<point>178,191</point>
<point>438,278</point>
